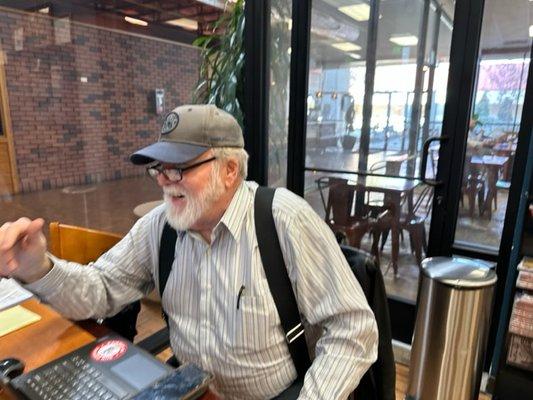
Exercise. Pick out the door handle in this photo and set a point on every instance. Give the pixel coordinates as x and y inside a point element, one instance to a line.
<point>424,163</point>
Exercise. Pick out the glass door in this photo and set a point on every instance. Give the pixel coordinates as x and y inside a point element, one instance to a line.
<point>502,70</point>
<point>378,75</point>
<point>477,213</point>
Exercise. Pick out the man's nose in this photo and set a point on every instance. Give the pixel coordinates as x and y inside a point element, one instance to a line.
<point>162,180</point>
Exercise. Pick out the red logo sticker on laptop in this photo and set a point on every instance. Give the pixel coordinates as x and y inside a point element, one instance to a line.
<point>109,350</point>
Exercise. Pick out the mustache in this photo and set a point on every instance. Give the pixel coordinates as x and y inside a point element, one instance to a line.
<point>174,191</point>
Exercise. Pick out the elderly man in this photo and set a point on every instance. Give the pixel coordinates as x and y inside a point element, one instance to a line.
<point>200,164</point>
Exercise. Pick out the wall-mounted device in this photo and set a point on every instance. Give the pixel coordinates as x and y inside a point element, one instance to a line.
<point>159,95</point>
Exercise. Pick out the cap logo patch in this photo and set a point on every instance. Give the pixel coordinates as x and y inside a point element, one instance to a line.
<point>171,121</point>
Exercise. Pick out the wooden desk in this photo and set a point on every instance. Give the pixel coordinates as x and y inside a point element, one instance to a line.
<point>45,340</point>
<point>48,339</point>
<point>144,208</point>
<point>385,184</point>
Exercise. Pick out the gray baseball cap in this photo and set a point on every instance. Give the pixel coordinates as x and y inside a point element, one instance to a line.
<point>188,131</point>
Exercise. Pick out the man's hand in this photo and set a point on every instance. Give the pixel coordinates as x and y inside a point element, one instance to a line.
<point>23,250</point>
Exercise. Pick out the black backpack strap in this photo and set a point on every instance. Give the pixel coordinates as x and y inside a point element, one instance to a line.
<point>278,280</point>
<point>166,258</point>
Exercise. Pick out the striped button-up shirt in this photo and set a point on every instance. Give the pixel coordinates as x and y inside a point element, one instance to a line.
<point>236,337</point>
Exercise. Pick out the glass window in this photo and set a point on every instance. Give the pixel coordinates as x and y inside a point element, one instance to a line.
<point>495,120</point>
<point>373,199</point>
<point>280,57</point>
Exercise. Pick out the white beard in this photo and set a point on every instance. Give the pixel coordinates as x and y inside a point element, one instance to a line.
<point>196,204</point>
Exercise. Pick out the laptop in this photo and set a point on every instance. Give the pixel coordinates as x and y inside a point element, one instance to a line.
<point>110,368</point>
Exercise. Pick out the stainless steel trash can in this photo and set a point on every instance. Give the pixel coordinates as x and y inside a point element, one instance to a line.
<point>452,322</point>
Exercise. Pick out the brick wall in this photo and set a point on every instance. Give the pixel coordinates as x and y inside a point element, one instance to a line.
<point>67,131</point>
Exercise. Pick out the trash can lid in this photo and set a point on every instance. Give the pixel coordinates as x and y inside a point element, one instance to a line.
<point>459,271</point>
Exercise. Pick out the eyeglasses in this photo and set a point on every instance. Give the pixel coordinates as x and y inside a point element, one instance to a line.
<point>173,174</point>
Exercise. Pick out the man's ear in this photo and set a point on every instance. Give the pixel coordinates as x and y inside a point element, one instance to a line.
<point>231,172</point>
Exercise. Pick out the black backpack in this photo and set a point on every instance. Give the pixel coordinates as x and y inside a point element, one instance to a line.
<point>379,381</point>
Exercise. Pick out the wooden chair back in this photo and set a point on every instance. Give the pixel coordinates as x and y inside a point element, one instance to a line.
<point>81,245</point>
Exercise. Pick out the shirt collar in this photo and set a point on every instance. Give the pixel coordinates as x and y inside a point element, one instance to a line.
<point>234,216</point>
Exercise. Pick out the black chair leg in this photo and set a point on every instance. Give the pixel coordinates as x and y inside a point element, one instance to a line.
<point>384,237</point>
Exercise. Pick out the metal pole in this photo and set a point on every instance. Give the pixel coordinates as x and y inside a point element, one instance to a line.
<point>257,78</point>
<point>431,77</point>
<point>419,82</point>
<point>301,34</point>
<point>371,47</point>
<point>389,100</point>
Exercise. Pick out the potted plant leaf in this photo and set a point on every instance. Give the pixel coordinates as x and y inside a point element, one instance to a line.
<point>222,63</point>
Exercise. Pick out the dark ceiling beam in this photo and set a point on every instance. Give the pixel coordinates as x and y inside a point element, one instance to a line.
<point>192,10</point>
<point>147,6</point>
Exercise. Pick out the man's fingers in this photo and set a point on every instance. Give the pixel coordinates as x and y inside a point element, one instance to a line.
<point>15,239</point>
<point>6,269</point>
<point>13,233</point>
<point>35,226</point>
<point>34,229</point>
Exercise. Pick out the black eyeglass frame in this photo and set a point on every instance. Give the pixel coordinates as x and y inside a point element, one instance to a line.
<point>159,169</point>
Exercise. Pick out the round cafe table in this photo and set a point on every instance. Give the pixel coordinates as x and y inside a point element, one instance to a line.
<point>144,208</point>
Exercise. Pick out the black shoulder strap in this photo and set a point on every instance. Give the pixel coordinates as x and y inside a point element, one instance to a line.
<point>279,281</point>
<point>166,258</point>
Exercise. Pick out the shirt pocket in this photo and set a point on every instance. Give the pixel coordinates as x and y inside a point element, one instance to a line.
<point>254,324</point>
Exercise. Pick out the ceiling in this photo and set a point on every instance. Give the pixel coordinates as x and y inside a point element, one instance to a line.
<point>505,29</point>
<point>112,13</point>
<point>161,11</point>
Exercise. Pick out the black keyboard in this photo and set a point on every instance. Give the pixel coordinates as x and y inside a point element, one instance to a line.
<point>71,379</point>
<point>109,368</point>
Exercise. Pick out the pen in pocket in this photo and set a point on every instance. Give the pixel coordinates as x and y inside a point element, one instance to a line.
<point>241,290</point>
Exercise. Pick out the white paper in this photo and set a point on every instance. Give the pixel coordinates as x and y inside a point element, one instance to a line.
<point>11,293</point>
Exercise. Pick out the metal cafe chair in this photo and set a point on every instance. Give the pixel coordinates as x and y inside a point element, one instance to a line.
<point>339,208</point>
<point>413,223</point>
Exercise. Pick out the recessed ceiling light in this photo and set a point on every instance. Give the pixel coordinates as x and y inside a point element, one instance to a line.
<point>404,40</point>
<point>185,23</point>
<point>136,21</point>
<point>355,56</point>
<point>531,29</point>
<point>346,46</point>
<point>359,12</point>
